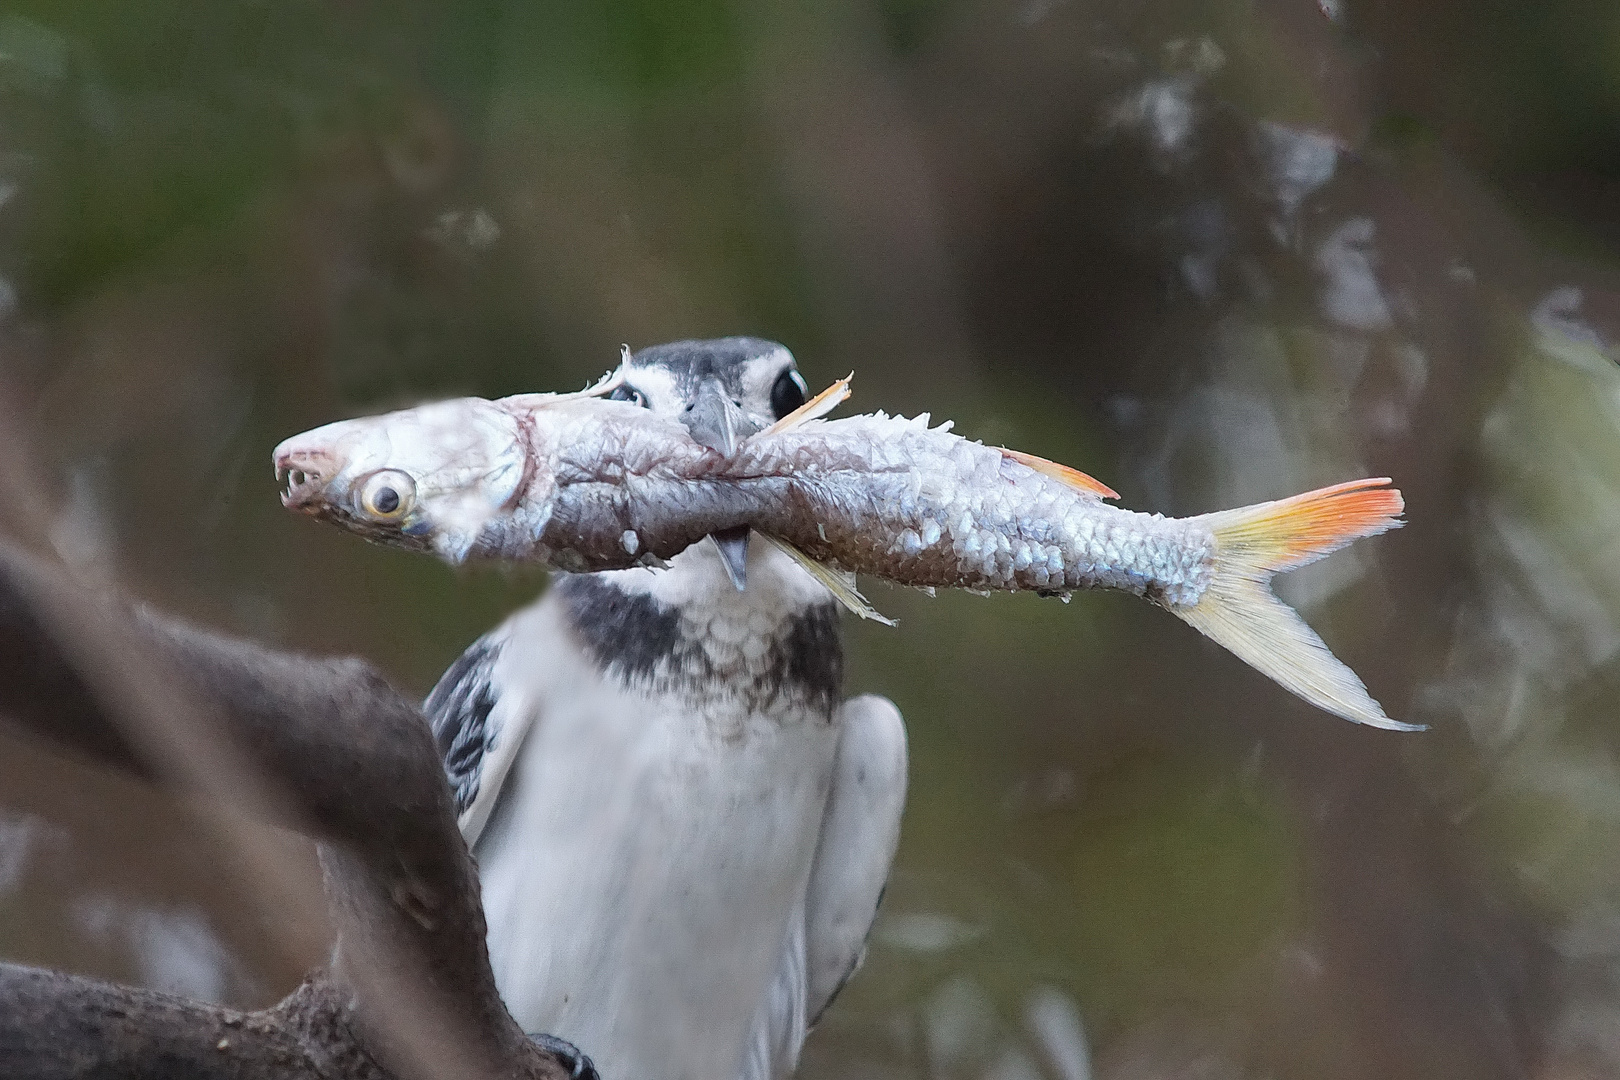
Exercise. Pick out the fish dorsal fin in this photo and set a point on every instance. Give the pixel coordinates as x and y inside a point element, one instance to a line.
<point>600,388</point>
<point>603,386</point>
<point>840,584</point>
<point>817,407</point>
<point>1062,474</point>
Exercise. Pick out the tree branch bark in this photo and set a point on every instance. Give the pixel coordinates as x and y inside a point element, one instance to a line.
<point>322,745</point>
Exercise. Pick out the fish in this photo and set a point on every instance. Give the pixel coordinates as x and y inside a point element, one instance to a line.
<point>582,483</point>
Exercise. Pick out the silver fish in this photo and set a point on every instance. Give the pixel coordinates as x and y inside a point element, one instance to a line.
<point>584,484</point>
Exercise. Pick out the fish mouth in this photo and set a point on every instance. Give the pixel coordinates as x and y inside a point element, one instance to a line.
<point>305,474</point>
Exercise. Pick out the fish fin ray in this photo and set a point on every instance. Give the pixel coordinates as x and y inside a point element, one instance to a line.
<point>841,585</point>
<point>600,388</point>
<point>1062,473</point>
<point>1240,612</point>
<point>817,407</point>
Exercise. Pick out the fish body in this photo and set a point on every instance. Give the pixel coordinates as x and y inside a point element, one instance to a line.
<point>582,483</point>
<point>875,494</point>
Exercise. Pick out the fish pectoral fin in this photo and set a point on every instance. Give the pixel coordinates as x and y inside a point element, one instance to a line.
<point>814,409</point>
<point>1240,612</point>
<point>840,584</point>
<point>1062,473</point>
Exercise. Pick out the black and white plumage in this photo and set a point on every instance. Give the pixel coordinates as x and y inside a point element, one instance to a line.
<point>682,833</point>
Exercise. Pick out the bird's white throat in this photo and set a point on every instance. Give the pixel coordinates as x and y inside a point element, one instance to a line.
<point>770,653</point>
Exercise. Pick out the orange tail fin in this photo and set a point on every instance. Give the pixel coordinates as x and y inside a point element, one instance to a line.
<point>1240,612</point>
<point>1291,533</point>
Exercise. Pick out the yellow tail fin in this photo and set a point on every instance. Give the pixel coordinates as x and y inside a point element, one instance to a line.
<point>1240,612</point>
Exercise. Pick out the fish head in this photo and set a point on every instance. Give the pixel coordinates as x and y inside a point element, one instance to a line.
<point>430,478</point>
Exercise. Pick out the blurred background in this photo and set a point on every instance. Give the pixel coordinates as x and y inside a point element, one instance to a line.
<point>1211,251</point>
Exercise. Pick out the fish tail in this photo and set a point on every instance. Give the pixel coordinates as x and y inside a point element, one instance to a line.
<point>1240,612</point>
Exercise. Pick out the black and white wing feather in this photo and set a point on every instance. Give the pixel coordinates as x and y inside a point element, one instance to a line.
<point>478,728</point>
<point>860,830</point>
<point>859,834</point>
<point>458,708</point>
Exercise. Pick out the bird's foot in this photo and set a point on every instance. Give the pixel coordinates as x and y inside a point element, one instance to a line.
<point>573,1059</point>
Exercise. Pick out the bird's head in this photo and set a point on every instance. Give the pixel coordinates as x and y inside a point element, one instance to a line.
<point>723,390</point>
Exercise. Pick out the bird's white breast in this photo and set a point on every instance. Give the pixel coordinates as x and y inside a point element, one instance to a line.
<point>649,851</point>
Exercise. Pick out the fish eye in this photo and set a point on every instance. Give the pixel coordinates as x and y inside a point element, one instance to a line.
<point>387,494</point>
<point>626,392</point>
<point>788,393</point>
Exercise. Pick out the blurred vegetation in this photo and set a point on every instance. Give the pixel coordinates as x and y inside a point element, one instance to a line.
<point>1211,251</point>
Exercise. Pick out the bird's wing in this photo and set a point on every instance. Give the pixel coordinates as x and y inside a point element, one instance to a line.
<point>860,828</point>
<point>477,738</point>
<point>859,832</point>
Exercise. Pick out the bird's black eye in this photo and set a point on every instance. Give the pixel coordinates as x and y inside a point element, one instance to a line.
<point>626,392</point>
<point>788,393</point>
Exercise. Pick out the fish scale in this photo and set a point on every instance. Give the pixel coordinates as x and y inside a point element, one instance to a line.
<point>1004,535</point>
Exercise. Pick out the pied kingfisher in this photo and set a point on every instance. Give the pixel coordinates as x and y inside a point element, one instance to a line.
<point>682,832</point>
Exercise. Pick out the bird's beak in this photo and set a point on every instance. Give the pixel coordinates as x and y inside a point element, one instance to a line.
<point>733,547</point>
<point>714,420</point>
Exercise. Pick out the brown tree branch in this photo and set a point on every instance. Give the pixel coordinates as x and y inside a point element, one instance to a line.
<point>56,1027</point>
<point>324,746</point>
